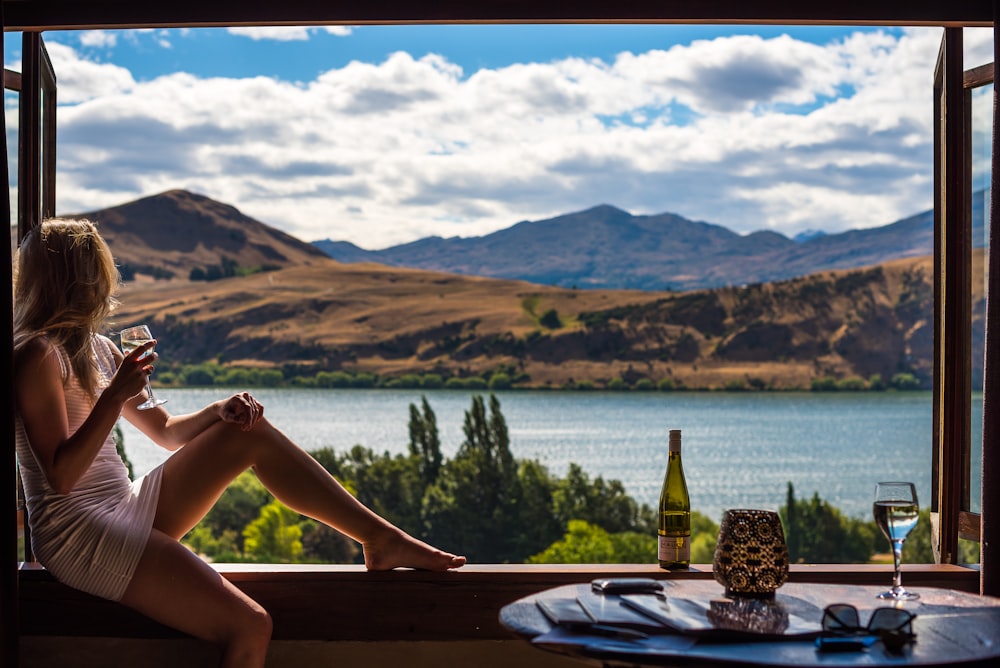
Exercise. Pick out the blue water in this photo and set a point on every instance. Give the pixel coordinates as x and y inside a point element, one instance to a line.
<point>739,449</point>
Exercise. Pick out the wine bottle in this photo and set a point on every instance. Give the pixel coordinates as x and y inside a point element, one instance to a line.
<point>674,531</point>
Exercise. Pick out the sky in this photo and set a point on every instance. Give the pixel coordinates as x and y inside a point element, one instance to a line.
<point>381,135</point>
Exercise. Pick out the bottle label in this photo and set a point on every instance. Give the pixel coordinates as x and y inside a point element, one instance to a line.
<point>675,548</point>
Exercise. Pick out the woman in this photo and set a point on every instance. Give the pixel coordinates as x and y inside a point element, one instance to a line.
<point>97,531</point>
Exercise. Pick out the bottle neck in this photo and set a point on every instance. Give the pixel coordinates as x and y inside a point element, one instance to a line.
<point>674,441</point>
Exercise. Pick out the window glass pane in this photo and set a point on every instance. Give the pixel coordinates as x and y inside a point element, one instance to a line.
<point>982,137</point>
<point>10,104</point>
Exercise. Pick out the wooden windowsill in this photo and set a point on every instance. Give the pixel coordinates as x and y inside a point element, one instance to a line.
<point>319,602</point>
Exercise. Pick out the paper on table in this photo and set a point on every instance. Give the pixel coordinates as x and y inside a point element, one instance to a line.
<point>611,610</point>
<point>779,617</point>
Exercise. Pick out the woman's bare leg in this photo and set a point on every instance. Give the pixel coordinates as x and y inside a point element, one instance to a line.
<point>195,476</point>
<point>175,587</point>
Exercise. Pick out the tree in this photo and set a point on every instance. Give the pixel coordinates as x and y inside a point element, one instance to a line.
<point>473,504</point>
<point>791,522</point>
<point>275,536</point>
<point>602,503</point>
<point>322,544</point>
<point>586,543</point>
<point>704,536</point>
<point>822,535</point>
<point>237,507</point>
<point>119,439</point>
<point>389,485</point>
<point>539,526</point>
<point>425,442</point>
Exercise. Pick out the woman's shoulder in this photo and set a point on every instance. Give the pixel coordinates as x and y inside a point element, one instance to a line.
<point>34,353</point>
<point>36,346</point>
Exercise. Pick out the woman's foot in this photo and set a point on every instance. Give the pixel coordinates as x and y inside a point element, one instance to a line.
<point>397,549</point>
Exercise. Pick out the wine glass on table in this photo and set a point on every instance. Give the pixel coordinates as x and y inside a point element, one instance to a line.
<point>896,512</point>
<point>132,338</point>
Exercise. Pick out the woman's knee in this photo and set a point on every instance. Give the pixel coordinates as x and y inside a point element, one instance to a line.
<point>255,623</point>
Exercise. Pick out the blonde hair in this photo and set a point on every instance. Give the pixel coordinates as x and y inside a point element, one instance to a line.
<point>65,281</point>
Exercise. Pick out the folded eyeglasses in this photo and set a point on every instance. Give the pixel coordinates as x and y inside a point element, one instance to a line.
<point>842,630</point>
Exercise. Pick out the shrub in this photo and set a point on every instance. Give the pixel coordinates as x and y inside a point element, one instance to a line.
<point>197,376</point>
<point>904,381</point>
<point>333,379</point>
<point>823,384</point>
<point>432,381</point>
<point>500,381</point>
<point>852,384</point>
<point>233,377</point>
<point>406,381</point>
<point>550,319</point>
<point>364,380</point>
<point>617,384</point>
<point>270,378</point>
<point>474,383</point>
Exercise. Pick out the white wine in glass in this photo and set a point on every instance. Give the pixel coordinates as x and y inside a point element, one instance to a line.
<point>896,513</point>
<point>132,338</point>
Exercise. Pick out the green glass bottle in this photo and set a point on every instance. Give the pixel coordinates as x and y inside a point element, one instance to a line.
<point>674,531</point>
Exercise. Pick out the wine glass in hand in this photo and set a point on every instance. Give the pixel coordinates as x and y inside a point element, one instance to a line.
<point>132,338</point>
<point>896,512</point>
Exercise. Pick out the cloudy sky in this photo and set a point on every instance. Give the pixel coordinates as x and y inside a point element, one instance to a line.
<point>380,135</point>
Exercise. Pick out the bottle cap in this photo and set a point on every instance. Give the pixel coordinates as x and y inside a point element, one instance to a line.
<point>675,440</point>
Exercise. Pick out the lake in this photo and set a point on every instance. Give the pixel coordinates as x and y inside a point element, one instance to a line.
<point>739,449</point>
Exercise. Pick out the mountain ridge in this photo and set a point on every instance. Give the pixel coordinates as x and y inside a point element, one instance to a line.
<point>190,232</point>
<point>607,247</point>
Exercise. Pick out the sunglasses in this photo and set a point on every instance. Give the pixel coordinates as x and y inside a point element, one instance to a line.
<point>842,630</point>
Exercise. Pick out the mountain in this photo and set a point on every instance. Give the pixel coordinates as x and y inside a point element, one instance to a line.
<point>175,232</point>
<point>605,247</point>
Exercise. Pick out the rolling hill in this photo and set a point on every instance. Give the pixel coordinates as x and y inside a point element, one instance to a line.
<point>392,322</point>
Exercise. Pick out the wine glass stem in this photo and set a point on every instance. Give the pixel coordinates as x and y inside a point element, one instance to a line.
<point>897,557</point>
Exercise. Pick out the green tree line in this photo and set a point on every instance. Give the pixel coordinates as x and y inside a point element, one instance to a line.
<point>504,377</point>
<point>496,508</point>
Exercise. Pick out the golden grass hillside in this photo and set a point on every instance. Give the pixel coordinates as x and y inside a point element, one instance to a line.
<point>389,321</point>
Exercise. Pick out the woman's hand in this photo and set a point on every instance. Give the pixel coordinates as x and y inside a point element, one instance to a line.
<point>130,379</point>
<point>242,409</point>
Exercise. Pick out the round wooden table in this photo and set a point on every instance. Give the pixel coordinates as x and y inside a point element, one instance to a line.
<point>952,627</point>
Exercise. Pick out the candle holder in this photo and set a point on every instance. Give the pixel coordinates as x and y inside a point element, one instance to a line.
<point>764,616</point>
<point>751,557</point>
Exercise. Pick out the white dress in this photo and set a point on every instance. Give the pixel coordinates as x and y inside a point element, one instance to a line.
<point>92,538</point>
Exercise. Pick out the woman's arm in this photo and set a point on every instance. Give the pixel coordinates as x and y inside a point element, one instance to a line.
<point>41,403</point>
<point>174,431</point>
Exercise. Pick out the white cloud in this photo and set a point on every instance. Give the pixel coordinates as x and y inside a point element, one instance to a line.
<point>746,132</point>
<point>80,79</point>
<point>98,38</point>
<point>286,33</point>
